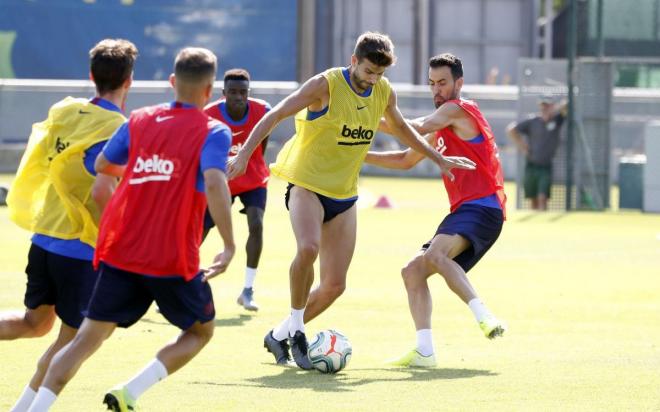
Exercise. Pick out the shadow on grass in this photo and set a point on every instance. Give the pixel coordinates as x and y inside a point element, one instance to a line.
<point>239,320</point>
<point>292,377</point>
<point>559,216</point>
<point>527,217</point>
<point>235,321</point>
<point>548,216</point>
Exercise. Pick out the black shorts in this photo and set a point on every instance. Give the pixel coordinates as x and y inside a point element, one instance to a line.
<point>331,207</point>
<point>252,198</point>
<point>58,280</point>
<point>480,225</point>
<point>124,297</point>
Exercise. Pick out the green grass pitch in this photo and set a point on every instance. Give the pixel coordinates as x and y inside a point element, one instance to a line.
<point>580,292</point>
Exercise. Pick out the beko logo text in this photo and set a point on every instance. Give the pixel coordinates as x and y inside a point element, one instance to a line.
<point>359,133</point>
<point>161,169</point>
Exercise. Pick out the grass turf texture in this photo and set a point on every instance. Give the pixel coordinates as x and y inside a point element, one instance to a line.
<point>580,292</point>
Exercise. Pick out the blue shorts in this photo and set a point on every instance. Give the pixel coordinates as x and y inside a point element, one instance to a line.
<point>58,280</point>
<point>124,297</point>
<point>331,207</point>
<point>480,225</point>
<point>252,198</point>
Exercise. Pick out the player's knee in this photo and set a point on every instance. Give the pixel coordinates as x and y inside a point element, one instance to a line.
<point>205,332</point>
<point>411,272</point>
<point>408,275</point>
<point>256,227</point>
<point>308,251</point>
<point>206,337</point>
<point>438,262</point>
<point>256,232</point>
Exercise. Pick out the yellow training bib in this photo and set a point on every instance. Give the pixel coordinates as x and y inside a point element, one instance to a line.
<point>326,153</point>
<point>51,194</point>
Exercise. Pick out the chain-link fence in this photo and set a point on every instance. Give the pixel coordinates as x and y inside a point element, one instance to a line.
<point>580,167</point>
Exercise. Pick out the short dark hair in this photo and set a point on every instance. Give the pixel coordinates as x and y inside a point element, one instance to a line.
<point>111,63</point>
<point>237,74</point>
<point>375,47</point>
<point>195,65</point>
<point>449,60</point>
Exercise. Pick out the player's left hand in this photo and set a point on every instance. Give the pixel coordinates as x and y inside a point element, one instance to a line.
<point>220,264</point>
<point>237,165</point>
<point>450,162</point>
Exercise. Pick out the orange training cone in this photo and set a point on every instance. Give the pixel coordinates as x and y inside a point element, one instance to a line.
<point>383,202</point>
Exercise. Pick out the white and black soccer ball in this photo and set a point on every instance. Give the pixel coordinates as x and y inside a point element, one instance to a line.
<point>330,351</point>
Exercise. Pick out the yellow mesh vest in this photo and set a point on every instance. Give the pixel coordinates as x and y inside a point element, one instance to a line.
<point>51,194</point>
<point>325,154</point>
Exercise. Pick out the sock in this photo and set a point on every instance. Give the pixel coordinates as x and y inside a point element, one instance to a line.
<point>281,331</point>
<point>23,403</point>
<point>153,373</point>
<point>43,400</point>
<point>296,323</point>
<point>479,310</point>
<point>250,274</point>
<point>425,342</point>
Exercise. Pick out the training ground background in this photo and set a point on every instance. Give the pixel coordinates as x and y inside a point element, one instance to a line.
<point>580,292</point>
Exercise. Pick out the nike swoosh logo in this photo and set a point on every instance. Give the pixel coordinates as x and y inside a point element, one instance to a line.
<point>162,119</point>
<point>82,112</point>
<point>361,107</point>
<point>237,133</point>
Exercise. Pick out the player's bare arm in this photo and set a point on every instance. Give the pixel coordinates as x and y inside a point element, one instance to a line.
<point>384,127</point>
<point>219,204</point>
<point>313,94</point>
<point>444,116</point>
<point>448,115</point>
<point>397,159</point>
<point>103,188</point>
<point>402,130</point>
<point>399,128</point>
<point>103,165</point>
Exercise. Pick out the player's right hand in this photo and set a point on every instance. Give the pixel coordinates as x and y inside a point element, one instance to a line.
<point>236,166</point>
<point>451,162</point>
<point>220,264</point>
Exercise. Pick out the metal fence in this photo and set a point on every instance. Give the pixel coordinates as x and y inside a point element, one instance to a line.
<point>610,125</point>
<point>24,102</point>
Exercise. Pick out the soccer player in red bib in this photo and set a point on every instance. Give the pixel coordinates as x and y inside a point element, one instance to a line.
<point>172,159</point>
<point>456,128</point>
<point>241,113</point>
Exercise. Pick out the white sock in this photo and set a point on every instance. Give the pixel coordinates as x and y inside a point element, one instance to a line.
<point>425,342</point>
<point>296,323</point>
<point>479,310</point>
<point>250,274</point>
<point>23,403</point>
<point>281,331</point>
<point>153,373</point>
<point>43,400</point>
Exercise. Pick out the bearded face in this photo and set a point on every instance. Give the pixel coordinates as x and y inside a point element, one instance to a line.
<point>443,86</point>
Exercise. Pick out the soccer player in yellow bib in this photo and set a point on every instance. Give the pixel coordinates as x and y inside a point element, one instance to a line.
<point>337,115</point>
<point>55,196</point>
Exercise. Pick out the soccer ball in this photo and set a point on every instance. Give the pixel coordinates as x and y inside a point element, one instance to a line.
<point>330,351</point>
